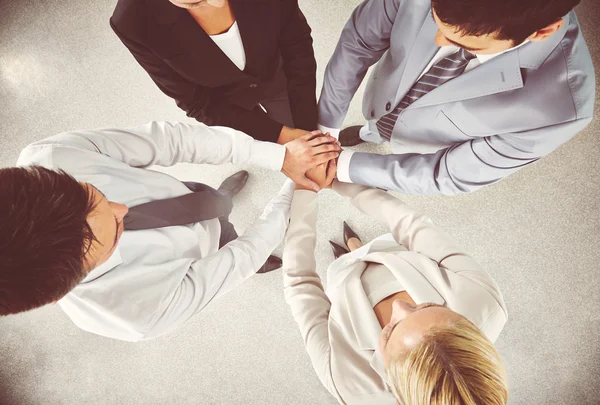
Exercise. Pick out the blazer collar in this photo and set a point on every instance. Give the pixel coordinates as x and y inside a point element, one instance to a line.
<point>364,322</point>
<point>360,312</point>
<point>503,73</point>
<point>113,261</point>
<point>405,268</point>
<point>533,54</point>
<point>166,12</point>
<point>183,26</point>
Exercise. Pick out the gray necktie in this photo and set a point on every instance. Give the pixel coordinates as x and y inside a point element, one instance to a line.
<point>203,204</point>
<point>445,70</point>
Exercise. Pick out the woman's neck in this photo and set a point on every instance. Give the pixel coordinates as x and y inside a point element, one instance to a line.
<point>383,309</point>
<point>213,20</point>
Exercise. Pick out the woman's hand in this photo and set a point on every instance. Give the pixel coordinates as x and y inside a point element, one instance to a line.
<point>323,175</point>
<point>308,152</point>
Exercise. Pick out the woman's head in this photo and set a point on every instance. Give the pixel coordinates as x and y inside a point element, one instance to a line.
<point>435,356</point>
<point>191,4</point>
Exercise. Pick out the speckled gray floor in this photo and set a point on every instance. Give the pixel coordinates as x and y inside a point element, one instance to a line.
<point>538,233</point>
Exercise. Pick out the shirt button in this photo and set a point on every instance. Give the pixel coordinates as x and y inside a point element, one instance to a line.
<point>372,113</point>
<point>253,85</point>
<point>388,106</point>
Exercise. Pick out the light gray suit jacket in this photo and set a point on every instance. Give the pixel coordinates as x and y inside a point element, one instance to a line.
<point>475,129</point>
<point>340,329</point>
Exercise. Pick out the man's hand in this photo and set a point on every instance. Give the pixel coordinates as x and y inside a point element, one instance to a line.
<point>323,175</point>
<point>307,152</point>
<point>288,134</point>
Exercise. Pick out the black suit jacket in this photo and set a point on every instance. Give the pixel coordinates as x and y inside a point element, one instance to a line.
<point>189,67</point>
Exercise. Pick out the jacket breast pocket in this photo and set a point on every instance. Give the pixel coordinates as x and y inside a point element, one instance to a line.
<point>451,128</point>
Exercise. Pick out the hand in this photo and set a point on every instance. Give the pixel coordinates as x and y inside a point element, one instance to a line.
<point>323,175</point>
<point>307,152</point>
<point>288,134</point>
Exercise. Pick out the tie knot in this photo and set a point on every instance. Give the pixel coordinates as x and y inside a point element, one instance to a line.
<point>466,55</point>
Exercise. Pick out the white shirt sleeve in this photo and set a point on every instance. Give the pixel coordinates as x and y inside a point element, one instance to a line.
<point>335,132</point>
<point>343,166</point>
<point>217,274</point>
<point>166,143</point>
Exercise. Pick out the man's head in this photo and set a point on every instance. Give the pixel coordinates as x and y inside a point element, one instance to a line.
<point>54,231</point>
<point>492,26</point>
<point>434,356</point>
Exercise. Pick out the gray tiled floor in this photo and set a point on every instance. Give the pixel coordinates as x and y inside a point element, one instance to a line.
<point>62,68</point>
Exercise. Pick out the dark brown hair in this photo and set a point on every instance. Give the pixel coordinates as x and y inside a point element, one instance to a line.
<point>506,19</point>
<point>44,236</point>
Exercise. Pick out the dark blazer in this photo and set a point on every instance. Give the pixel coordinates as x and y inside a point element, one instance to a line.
<point>189,67</point>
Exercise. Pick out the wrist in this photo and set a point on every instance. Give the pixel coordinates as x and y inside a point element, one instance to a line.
<point>284,135</point>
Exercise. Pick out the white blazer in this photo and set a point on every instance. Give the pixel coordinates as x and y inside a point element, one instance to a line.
<point>339,328</point>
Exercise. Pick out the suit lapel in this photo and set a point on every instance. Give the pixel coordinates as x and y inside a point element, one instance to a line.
<point>500,74</point>
<point>185,33</point>
<point>252,28</point>
<point>423,50</point>
<point>405,268</point>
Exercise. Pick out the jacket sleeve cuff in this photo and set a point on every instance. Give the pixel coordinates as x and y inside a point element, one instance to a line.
<point>343,166</point>
<point>268,155</point>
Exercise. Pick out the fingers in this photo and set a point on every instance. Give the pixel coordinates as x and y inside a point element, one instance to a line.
<point>310,135</point>
<point>322,139</point>
<point>307,183</point>
<point>325,157</point>
<point>331,170</point>
<point>328,147</point>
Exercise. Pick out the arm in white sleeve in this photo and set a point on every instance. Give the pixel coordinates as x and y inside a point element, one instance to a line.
<point>302,285</point>
<point>417,233</point>
<point>165,144</point>
<point>219,273</point>
<point>335,132</point>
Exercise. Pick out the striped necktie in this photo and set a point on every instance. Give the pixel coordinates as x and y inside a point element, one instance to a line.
<point>445,70</point>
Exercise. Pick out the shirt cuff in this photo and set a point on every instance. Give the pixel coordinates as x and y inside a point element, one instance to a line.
<point>268,155</point>
<point>288,188</point>
<point>343,166</point>
<point>335,132</point>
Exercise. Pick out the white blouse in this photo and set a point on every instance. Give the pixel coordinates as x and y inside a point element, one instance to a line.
<point>231,44</point>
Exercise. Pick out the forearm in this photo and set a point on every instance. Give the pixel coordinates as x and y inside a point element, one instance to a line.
<point>256,123</point>
<point>302,286</point>
<point>300,68</point>
<point>410,228</point>
<point>219,273</point>
<point>165,144</point>
<point>364,39</point>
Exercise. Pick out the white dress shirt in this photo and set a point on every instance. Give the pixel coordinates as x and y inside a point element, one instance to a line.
<point>231,44</point>
<point>156,279</point>
<point>343,165</point>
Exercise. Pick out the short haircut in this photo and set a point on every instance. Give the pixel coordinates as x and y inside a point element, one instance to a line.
<point>453,364</point>
<point>507,19</point>
<point>44,236</point>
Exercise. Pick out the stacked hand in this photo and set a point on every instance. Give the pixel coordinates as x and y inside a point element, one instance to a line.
<point>310,153</point>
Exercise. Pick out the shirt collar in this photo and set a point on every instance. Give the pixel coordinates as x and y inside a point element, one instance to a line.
<point>113,261</point>
<point>484,58</point>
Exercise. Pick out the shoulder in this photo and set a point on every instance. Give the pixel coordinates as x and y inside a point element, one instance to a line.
<point>132,16</point>
<point>580,74</point>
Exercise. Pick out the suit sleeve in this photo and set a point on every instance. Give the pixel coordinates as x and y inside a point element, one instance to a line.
<point>302,285</point>
<point>363,41</point>
<point>461,168</point>
<point>300,67</point>
<point>197,101</point>
<point>417,233</point>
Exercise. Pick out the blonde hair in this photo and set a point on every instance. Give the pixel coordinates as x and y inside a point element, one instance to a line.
<point>453,365</point>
